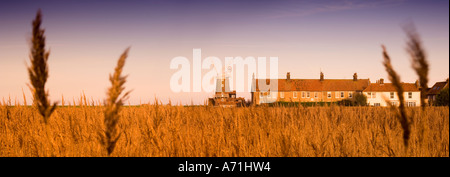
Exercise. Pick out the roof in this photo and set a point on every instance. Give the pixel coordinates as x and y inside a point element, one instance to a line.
<point>317,85</point>
<point>437,87</point>
<point>389,87</point>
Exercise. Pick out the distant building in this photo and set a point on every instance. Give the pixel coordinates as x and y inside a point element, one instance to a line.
<point>309,90</point>
<point>377,94</point>
<point>223,96</point>
<point>433,91</point>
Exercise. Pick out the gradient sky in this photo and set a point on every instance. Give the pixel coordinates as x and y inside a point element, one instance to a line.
<point>339,37</point>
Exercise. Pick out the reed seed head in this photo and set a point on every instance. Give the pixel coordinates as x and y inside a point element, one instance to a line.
<point>38,71</point>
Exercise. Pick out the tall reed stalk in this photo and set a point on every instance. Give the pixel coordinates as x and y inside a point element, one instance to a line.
<point>395,79</point>
<point>421,67</point>
<point>24,98</point>
<point>418,60</point>
<point>38,71</point>
<point>113,105</point>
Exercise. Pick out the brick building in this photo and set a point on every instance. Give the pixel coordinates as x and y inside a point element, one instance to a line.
<point>308,90</point>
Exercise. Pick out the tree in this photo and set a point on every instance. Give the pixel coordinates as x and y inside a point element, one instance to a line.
<point>360,99</point>
<point>442,98</point>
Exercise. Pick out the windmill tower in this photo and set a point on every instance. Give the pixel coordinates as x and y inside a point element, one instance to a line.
<point>223,96</point>
<point>222,84</point>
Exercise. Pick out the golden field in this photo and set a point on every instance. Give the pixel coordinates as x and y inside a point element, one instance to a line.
<point>202,131</point>
<point>46,129</point>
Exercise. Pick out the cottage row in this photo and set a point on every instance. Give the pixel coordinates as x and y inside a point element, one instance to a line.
<point>333,90</point>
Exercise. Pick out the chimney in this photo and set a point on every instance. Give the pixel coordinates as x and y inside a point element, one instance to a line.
<point>355,77</point>
<point>321,76</point>
<point>288,76</point>
<point>381,81</point>
<point>417,84</point>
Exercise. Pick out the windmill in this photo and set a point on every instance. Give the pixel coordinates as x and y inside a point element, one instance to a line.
<point>223,96</point>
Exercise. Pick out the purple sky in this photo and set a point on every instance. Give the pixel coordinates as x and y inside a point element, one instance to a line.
<point>339,37</point>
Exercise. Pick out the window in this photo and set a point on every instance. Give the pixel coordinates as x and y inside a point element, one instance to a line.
<point>342,94</point>
<point>316,95</point>
<point>409,95</point>
<point>268,94</point>
<point>275,95</point>
<point>411,104</point>
<point>376,104</point>
<point>374,94</point>
<point>350,94</point>
<point>328,94</point>
<point>303,94</point>
<point>394,103</point>
<point>369,95</point>
<point>282,94</point>
<point>295,94</point>
<point>261,95</point>
<point>307,95</point>
<point>337,94</point>
<point>392,95</point>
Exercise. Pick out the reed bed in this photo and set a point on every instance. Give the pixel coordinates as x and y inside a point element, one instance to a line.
<point>177,131</point>
<point>87,130</point>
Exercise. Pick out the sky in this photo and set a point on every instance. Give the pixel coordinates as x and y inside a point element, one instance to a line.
<point>337,37</point>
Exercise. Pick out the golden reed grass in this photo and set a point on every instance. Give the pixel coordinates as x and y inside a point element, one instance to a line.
<point>177,131</point>
<point>420,66</point>
<point>395,79</point>
<point>202,131</point>
<point>113,104</point>
<point>418,60</point>
<point>38,71</point>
